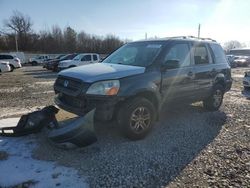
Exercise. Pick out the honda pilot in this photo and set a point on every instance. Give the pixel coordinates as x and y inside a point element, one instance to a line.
<point>133,83</point>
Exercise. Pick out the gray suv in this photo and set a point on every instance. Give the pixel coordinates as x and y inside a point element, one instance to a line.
<point>133,83</point>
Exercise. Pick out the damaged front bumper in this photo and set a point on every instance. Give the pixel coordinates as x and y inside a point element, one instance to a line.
<point>78,131</point>
<point>105,106</point>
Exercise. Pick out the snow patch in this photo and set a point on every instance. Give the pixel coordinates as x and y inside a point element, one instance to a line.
<point>21,167</point>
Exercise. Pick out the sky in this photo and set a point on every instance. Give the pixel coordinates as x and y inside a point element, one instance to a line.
<point>222,20</point>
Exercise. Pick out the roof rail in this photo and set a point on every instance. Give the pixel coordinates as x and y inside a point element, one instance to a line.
<point>193,37</point>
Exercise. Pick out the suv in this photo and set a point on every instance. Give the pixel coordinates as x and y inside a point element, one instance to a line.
<point>132,84</point>
<point>80,59</point>
<point>14,62</point>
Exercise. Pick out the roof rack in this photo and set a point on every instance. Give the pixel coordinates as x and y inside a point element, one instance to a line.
<point>193,37</point>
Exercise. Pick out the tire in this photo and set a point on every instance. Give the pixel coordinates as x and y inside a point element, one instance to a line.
<point>12,68</point>
<point>71,66</point>
<point>54,69</point>
<point>214,102</point>
<point>130,118</point>
<point>34,63</point>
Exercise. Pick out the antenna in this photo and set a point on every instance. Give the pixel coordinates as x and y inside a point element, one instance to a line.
<point>199,30</point>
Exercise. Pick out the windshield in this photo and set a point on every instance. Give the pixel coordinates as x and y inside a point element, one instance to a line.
<point>63,57</point>
<point>59,56</point>
<point>135,54</point>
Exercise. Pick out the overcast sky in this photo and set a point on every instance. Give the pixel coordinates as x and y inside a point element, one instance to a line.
<point>222,20</point>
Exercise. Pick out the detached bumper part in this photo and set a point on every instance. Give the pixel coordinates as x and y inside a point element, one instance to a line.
<point>79,132</point>
<point>32,122</point>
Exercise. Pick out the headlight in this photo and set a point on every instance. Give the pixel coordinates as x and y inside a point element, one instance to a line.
<point>110,87</point>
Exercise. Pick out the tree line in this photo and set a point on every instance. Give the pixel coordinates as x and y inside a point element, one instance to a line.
<point>56,40</point>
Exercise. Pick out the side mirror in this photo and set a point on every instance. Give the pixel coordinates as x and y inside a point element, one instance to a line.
<point>171,64</point>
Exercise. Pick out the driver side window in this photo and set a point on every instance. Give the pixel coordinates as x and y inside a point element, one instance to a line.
<point>180,52</point>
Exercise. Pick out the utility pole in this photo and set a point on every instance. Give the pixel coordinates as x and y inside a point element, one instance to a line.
<point>16,41</point>
<point>146,36</point>
<point>199,30</point>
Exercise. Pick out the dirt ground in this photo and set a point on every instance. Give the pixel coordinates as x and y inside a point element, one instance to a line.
<point>188,147</point>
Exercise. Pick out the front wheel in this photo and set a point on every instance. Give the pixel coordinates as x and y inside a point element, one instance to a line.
<point>12,68</point>
<point>136,118</point>
<point>214,101</point>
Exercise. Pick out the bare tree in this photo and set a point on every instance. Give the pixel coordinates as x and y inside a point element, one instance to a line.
<point>233,44</point>
<point>70,39</point>
<point>20,25</point>
<point>53,40</point>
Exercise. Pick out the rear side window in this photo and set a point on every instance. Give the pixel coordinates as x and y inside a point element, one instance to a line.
<point>219,55</point>
<point>201,55</point>
<point>86,58</point>
<point>95,57</point>
<point>6,57</point>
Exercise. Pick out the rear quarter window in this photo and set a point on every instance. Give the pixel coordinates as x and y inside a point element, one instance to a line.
<point>218,53</point>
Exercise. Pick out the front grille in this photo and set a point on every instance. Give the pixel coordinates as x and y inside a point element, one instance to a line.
<point>70,86</point>
<point>68,83</point>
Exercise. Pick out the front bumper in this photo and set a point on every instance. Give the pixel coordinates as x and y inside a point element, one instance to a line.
<point>5,68</point>
<point>105,106</point>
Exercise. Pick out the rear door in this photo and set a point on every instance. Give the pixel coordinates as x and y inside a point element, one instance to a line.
<point>178,82</point>
<point>204,69</point>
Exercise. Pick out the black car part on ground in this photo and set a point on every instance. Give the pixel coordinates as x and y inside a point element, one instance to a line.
<point>32,122</point>
<point>78,131</point>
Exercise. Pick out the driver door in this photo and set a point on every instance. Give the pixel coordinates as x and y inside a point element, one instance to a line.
<point>178,82</point>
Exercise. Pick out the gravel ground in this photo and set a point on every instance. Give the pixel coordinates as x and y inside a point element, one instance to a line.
<point>188,147</point>
<point>25,90</point>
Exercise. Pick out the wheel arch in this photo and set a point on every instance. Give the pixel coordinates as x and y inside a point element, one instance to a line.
<point>220,79</point>
<point>147,94</point>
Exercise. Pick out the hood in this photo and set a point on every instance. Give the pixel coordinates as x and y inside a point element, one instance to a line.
<point>102,71</point>
<point>66,61</point>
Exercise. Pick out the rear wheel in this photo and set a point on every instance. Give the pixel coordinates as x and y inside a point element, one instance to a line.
<point>136,118</point>
<point>34,63</point>
<point>246,88</point>
<point>214,101</point>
